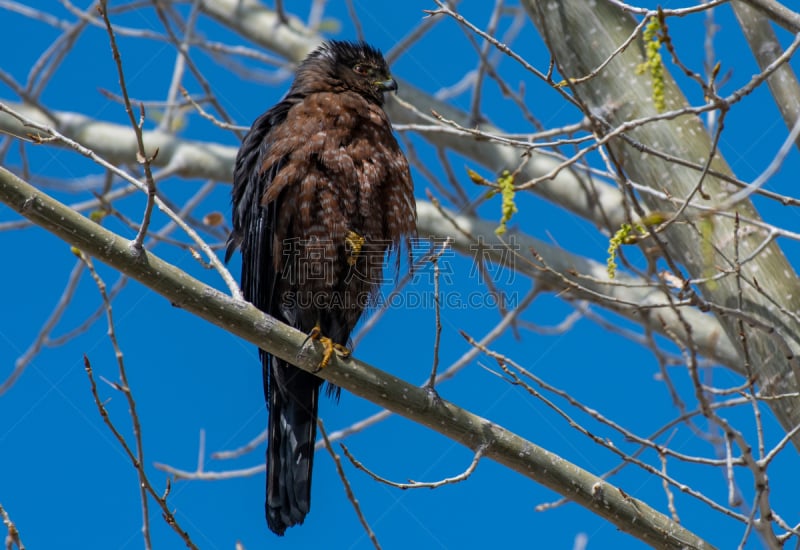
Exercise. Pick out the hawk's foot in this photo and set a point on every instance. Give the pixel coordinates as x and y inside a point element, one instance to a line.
<point>355,242</point>
<point>329,347</point>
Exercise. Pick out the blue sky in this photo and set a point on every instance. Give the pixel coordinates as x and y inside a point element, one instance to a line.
<point>66,482</point>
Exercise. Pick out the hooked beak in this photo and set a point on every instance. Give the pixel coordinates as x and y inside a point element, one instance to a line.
<point>389,85</point>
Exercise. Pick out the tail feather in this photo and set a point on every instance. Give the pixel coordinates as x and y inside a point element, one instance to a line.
<point>292,396</point>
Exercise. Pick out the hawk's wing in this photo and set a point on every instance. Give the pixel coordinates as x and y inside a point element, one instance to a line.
<point>254,223</point>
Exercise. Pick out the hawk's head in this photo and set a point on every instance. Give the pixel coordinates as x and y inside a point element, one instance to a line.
<point>338,66</point>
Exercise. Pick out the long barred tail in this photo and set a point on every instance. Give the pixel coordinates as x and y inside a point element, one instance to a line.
<point>292,396</point>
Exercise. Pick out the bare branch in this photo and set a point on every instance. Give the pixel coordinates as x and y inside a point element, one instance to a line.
<point>142,155</point>
<point>417,484</point>
<point>348,489</point>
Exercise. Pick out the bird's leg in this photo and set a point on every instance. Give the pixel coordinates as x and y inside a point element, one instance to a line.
<point>329,347</point>
<point>355,241</point>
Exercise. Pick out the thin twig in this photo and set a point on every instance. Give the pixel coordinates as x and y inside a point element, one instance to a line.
<point>668,491</point>
<point>44,333</point>
<point>348,489</point>
<point>438,309</point>
<point>124,387</point>
<point>142,156</point>
<point>417,484</point>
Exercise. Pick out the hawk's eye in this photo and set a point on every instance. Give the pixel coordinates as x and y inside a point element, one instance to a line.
<point>362,69</point>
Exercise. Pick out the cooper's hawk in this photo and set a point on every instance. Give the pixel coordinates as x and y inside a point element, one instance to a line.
<point>321,192</point>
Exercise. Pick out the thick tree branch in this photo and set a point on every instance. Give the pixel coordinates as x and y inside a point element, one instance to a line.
<point>254,21</point>
<point>117,143</point>
<point>244,320</point>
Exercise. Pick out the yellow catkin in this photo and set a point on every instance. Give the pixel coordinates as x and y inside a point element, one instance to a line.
<point>654,64</point>
<point>508,208</point>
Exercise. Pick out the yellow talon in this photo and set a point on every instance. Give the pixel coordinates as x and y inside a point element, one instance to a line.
<point>355,241</point>
<point>327,353</point>
<point>329,347</point>
<point>343,351</point>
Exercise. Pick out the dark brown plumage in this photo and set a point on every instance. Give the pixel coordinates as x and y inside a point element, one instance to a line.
<point>321,192</point>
